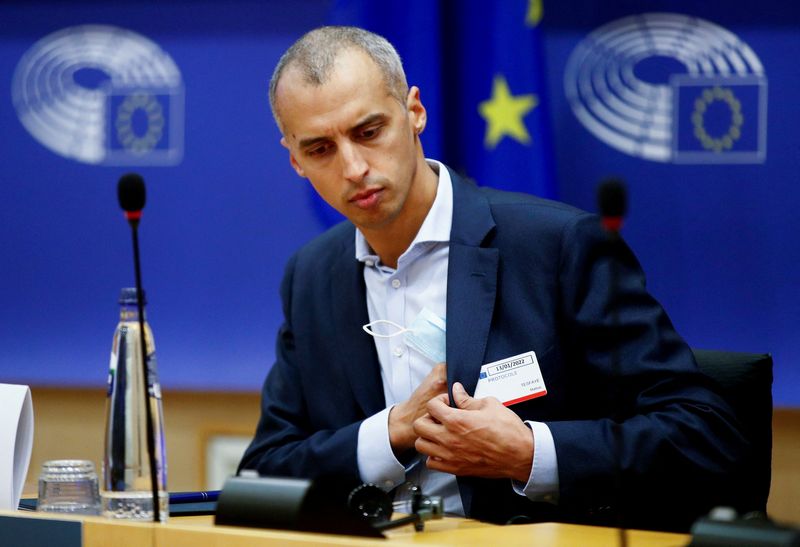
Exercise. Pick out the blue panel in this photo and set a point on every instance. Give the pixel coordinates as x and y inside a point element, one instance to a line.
<point>39,532</point>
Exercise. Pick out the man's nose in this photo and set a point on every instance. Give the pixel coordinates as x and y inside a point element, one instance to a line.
<point>354,165</point>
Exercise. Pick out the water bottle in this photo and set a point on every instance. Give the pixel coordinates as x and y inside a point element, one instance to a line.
<point>126,491</point>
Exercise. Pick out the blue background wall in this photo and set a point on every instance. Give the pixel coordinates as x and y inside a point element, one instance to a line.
<point>720,243</point>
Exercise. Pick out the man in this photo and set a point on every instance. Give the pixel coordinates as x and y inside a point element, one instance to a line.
<point>503,275</point>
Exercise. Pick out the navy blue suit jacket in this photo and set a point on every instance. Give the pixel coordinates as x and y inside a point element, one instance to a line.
<point>652,439</point>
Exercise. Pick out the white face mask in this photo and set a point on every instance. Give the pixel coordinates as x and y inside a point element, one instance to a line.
<point>426,334</point>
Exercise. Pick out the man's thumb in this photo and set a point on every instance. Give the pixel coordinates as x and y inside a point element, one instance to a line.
<point>461,397</point>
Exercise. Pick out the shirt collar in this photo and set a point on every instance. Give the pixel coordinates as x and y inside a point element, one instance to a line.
<point>435,227</point>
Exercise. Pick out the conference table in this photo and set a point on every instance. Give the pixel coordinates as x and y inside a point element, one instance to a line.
<point>20,528</point>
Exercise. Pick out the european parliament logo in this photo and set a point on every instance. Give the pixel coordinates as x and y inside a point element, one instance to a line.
<point>670,88</point>
<point>101,95</point>
<point>719,119</point>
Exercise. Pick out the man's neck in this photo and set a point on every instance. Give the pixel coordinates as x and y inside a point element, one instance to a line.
<point>391,240</point>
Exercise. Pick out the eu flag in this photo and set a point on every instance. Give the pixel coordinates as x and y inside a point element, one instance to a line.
<point>719,119</point>
<point>144,126</point>
<point>479,69</point>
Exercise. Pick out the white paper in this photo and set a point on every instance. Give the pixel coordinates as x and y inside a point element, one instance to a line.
<point>16,442</point>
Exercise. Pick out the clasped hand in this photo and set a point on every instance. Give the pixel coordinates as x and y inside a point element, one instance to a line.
<point>477,437</point>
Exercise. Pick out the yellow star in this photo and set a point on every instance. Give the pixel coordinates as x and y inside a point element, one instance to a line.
<point>535,12</point>
<point>503,114</point>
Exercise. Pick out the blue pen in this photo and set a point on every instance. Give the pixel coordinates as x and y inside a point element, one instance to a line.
<point>193,497</point>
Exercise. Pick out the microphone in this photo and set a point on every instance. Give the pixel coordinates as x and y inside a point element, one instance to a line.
<point>132,197</point>
<point>328,505</point>
<point>612,201</point>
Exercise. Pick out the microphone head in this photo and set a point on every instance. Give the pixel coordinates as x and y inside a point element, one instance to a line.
<point>131,193</point>
<point>612,198</point>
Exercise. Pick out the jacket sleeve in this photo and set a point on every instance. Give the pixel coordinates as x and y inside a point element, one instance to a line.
<point>286,442</point>
<point>659,437</point>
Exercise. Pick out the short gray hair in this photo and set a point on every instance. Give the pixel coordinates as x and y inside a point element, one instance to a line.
<point>315,52</point>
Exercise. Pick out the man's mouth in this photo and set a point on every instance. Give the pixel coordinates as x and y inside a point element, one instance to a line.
<point>366,198</point>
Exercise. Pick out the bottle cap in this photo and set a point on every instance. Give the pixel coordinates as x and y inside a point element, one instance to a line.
<point>127,296</point>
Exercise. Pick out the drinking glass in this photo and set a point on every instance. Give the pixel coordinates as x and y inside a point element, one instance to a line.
<point>69,486</point>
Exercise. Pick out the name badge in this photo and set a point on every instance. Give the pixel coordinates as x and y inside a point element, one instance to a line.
<point>511,380</point>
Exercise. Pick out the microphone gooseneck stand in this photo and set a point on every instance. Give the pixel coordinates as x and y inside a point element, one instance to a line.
<point>612,202</point>
<point>131,193</point>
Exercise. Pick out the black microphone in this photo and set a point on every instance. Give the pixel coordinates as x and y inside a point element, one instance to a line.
<point>612,201</point>
<point>132,197</point>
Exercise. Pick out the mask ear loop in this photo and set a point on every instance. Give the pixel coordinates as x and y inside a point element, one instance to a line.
<point>400,328</point>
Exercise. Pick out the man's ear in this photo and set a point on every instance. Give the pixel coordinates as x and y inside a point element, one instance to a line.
<point>292,160</point>
<point>416,110</point>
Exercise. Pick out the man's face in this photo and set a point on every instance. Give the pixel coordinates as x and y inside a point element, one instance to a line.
<point>357,144</point>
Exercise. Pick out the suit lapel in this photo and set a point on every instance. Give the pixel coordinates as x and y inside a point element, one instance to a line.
<point>356,352</point>
<point>471,284</point>
<point>471,291</point>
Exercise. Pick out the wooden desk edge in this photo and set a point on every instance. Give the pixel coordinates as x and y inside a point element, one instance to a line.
<point>201,532</point>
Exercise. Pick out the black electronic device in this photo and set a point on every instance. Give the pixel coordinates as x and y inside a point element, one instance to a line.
<point>724,528</point>
<point>325,505</point>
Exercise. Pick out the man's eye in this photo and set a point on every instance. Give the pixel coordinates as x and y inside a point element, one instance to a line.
<point>320,150</point>
<point>370,133</point>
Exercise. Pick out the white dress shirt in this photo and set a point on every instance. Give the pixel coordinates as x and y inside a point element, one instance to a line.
<point>398,295</point>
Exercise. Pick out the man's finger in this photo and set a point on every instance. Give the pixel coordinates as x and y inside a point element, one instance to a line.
<point>427,427</point>
<point>432,449</point>
<point>439,407</point>
<point>438,464</point>
<point>445,465</point>
<point>461,397</point>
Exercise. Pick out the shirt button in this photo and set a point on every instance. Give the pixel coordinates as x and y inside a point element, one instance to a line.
<point>396,283</point>
<point>398,351</point>
<point>369,263</point>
